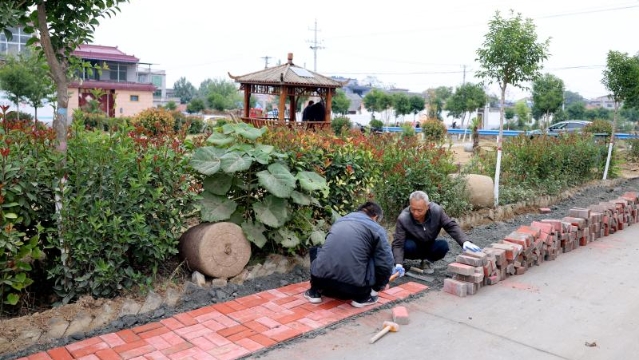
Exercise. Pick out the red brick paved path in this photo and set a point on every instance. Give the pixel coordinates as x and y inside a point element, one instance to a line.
<point>224,331</point>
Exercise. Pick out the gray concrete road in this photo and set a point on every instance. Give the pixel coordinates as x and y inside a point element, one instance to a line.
<point>584,305</point>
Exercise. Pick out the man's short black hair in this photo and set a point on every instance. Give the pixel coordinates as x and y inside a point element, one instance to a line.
<point>372,209</point>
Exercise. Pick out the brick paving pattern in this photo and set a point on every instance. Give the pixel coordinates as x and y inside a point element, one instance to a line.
<point>227,330</point>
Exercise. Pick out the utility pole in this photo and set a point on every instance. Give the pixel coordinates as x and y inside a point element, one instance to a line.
<point>464,79</point>
<point>266,61</point>
<point>315,45</point>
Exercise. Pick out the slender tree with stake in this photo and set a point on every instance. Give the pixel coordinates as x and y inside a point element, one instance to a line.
<point>510,55</point>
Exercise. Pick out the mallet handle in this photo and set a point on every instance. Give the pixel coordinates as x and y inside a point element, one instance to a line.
<point>380,334</point>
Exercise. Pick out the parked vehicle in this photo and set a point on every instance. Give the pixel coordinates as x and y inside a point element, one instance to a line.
<point>562,127</point>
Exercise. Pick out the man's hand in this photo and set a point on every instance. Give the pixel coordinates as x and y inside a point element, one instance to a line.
<point>468,246</point>
<point>399,269</point>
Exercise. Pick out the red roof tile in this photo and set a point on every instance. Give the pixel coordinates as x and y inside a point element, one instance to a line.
<point>106,53</point>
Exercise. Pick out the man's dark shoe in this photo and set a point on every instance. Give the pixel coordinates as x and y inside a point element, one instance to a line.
<point>313,296</point>
<point>426,267</point>
<point>370,301</point>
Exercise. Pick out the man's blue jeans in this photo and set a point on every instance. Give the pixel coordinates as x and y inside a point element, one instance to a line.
<point>431,251</point>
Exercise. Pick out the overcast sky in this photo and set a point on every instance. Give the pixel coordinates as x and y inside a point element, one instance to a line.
<point>409,44</point>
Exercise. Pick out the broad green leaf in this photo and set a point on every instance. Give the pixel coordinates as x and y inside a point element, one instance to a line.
<point>218,183</point>
<point>311,181</point>
<point>277,180</point>
<point>272,211</point>
<point>289,239</point>
<point>10,216</point>
<point>234,162</point>
<point>206,160</point>
<point>264,148</point>
<point>318,237</point>
<point>12,299</point>
<point>220,139</point>
<point>216,208</point>
<point>242,148</point>
<point>254,233</point>
<point>299,198</point>
<point>261,157</point>
<point>251,133</point>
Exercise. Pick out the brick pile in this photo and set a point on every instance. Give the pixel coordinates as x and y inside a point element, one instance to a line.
<point>541,241</point>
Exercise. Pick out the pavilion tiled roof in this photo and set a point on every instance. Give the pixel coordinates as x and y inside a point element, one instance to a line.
<point>105,53</point>
<point>289,74</point>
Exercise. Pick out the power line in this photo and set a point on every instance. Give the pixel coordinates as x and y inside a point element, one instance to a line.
<point>456,27</point>
<point>266,60</point>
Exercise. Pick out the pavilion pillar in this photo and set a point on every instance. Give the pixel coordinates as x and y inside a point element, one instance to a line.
<point>247,100</point>
<point>329,103</point>
<point>293,110</point>
<point>282,106</point>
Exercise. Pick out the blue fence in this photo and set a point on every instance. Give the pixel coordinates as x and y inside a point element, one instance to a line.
<point>621,136</point>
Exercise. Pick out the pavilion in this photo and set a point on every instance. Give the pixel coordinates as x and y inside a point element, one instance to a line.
<point>291,82</point>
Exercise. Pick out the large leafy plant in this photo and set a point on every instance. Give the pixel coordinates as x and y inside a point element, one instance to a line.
<point>250,184</point>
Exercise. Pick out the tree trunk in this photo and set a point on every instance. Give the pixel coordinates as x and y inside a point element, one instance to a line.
<point>612,140</point>
<point>499,142</point>
<point>58,70</point>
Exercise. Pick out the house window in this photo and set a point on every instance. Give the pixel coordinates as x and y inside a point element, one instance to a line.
<point>117,71</point>
<point>135,98</point>
<point>157,81</point>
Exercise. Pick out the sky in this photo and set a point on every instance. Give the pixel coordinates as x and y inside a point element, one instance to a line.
<point>406,44</point>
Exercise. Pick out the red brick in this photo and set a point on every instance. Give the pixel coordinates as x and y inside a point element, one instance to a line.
<point>469,260</point>
<point>535,232</point>
<point>154,332</point>
<point>544,226</point>
<point>172,323</point>
<point>523,239</point>
<point>250,345</point>
<point>263,340</point>
<point>232,330</point>
<point>462,269</point>
<point>128,336</point>
<point>223,308</point>
<point>108,354</point>
<point>112,339</point>
<point>129,346</point>
<point>578,222</point>
<point>39,356</point>
<point>147,327</point>
<point>59,353</point>
<point>177,348</point>
<point>185,319</point>
<point>241,335</point>
<point>455,287</point>
<point>254,325</point>
<point>400,315</point>
<point>545,210</point>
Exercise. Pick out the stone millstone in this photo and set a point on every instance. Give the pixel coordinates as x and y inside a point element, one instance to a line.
<point>481,190</point>
<point>218,250</point>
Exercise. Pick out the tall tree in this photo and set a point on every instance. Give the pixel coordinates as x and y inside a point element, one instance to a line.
<point>573,97</point>
<point>510,55</point>
<point>373,101</point>
<point>61,26</point>
<point>417,104</point>
<point>15,80</point>
<point>221,94</point>
<point>340,102</point>
<point>184,90</point>
<point>621,78</point>
<point>436,99</point>
<point>548,96</point>
<point>401,104</point>
<point>576,111</point>
<point>466,99</point>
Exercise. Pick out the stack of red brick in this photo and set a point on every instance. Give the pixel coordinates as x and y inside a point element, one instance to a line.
<point>541,241</point>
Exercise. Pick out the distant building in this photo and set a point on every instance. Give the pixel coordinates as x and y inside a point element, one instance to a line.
<point>16,45</point>
<point>601,102</point>
<point>118,83</point>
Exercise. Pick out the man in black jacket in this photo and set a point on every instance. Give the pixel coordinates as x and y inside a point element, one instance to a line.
<point>355,261</point>
<point>417,229</point>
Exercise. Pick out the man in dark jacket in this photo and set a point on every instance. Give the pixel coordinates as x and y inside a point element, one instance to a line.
<point>417,229</point>
<point>355,261</point>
